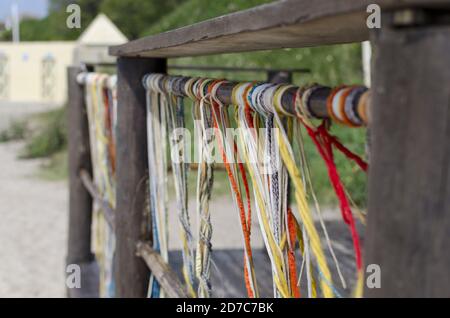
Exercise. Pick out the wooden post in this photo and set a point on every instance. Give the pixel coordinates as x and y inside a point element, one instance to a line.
<point>409,180</point>
<point>80,201</point>
<point>132,225</point>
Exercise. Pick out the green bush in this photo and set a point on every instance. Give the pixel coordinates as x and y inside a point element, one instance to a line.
<point>16,131</point>
<point>49,137</point>
<point>56,168</point>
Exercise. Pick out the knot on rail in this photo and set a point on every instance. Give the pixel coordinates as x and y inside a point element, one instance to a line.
<point>346,105</point>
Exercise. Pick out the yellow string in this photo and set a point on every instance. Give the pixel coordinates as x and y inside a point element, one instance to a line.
<point>183,234</point>
<point>359,287</point>
<point>279,277</point>
<point>300,197</point>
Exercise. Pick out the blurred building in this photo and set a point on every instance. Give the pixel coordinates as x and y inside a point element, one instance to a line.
<point>36,71</point>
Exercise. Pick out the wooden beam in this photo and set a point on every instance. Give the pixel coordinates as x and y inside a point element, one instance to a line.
<point>409,180</point>
<point>282,24</point>
<point>165,276</point>
<point>205,68</point>
<point>108,211</point>
<point>132,222</point>
<point>80,201</point>
<point>317,101</point>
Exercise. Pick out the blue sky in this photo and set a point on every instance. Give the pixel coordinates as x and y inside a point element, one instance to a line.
<point>35,7</point>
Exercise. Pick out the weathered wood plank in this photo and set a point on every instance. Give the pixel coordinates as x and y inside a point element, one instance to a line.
<point>108,211</point>
<point>132,224</point>
<point>165,276</point>
<point>290,23</point>
<point>205,68</point>
<point>409,180</point>
<point>80,201</point>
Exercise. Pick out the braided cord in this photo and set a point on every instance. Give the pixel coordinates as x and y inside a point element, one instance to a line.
<point>175,113</point>
<point>203,115</point>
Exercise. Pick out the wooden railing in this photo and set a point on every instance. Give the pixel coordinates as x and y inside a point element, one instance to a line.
<point>409,207</point>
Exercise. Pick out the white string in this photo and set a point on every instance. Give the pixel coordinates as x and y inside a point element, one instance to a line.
<point>157,162</point>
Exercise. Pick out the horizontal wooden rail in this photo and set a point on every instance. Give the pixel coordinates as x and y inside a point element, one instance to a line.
<point>235,69</point>
<point>317,101</point>
<point>90,187</point>
<point>216,68</point>
<point>162,272</point>
<point>282,24</point>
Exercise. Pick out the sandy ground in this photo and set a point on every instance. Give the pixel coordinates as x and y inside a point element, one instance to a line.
<point>33,229</point>
<point>33,219</point>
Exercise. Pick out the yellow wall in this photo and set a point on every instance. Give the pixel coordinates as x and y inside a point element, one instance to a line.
<point>25,70</point>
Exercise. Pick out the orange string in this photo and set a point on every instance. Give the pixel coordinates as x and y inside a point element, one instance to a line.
<point>245,222</point>
<point>291,254</point>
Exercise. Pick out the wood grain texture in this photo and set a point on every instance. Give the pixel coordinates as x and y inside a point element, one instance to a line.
<point>165,276</point>
<point>409,179</point>
<point>132,225</point>
<point>282,24</point>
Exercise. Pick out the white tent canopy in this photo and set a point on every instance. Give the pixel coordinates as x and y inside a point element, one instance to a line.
<point>101,32</point>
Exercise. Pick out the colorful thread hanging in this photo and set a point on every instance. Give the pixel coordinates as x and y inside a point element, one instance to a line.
<point>157,165</point>
<point>229,151</point>
<point>101,107</point>
<point>180,169</point>
<point>264,176</point>
<point>342,107</point>
<point>202,114</point>
<point>269,161</point>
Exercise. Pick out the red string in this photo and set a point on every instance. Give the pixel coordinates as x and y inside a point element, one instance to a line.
<point>324,143</point>
<point>349,154</point>
<point>111,144</point>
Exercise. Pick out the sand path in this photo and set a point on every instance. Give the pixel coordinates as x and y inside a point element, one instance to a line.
<point>33,229</point>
